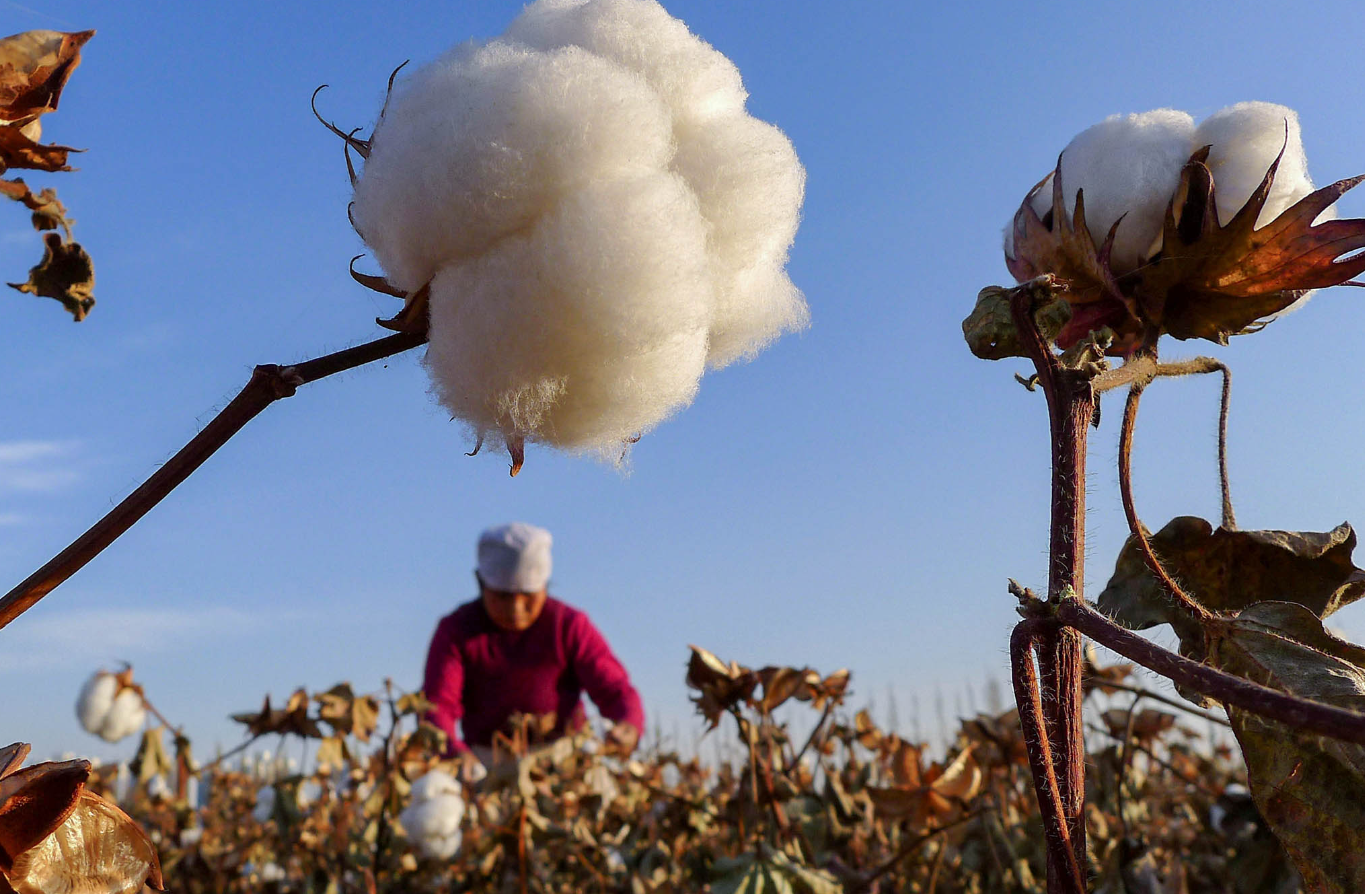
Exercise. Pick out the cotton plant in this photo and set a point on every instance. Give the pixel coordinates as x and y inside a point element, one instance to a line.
<point>584,218</point>
<point>1160,225</point>
<point>432,819</point>
<point>111,705</point>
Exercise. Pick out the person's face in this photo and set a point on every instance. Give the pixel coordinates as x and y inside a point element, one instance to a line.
<point>511,610</point>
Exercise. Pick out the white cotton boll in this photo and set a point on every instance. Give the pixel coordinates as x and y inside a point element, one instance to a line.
<point>95,700</point>
<point>158,789</point>
<point>265,804</point>
<point>598,218</point>
<point>1128,166</point>
<point>587,330</point>
<point>442,847</point>
<point>273,872</point>
<point>695,79</point>
<point>1244,140</point>
<point>432,824</point>
<point>125,716</point>
<point>481,142</point>
<point>434,783</point>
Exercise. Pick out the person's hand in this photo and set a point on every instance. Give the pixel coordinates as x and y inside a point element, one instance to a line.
<point>621,739</point>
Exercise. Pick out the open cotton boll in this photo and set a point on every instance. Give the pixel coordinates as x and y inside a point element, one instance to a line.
<point>597,217</point>
<point>95,700</point>
<point>1128,166</point>
<point>1244,139</point>
<point>695,79</point>
<point>433,824</point>
<point>435,782</point>
<point>126,716</point>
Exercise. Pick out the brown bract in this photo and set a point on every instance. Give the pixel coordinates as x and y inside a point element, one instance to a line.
<point>65,274</point>
<point>34,67</point>
<point>1209,280</point>
<point>292,718</point>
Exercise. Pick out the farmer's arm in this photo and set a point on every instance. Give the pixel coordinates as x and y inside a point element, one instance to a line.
<point>444,686</point>
<point>606,681</point>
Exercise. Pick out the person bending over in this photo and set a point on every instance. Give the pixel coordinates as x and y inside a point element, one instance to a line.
<point>518,650</point>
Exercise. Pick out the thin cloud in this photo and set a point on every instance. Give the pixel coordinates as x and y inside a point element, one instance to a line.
<point>108,636</point>
<point>38,466</point>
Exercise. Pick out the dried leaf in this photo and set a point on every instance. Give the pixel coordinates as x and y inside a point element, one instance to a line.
<point>17,150</point>
<point>96,850</point>
<point>1226,571</point>
<point>65,273</point>
<point>721,686</point>
<point>34,801</point>
<point>1147,724</point>
<point>292,718</point>
<point>782,683</point>
<point>1310,789</point>
<point>11,756</point>
<point>34,67</point>
<point>989,328</point>
<point>413,703</point>
<point>151,759</point>
<point>1212,281</point>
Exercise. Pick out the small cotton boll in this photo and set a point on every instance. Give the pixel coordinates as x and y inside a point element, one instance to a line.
<point>158,789</point>
<point>695,79</point>
<point>437,817</point>
<point>125,716</point>
<point>273,872</point>
<point>95,700</point>
<point>434,783</point>
<point>1128,166</point>
<point>1244,140</point>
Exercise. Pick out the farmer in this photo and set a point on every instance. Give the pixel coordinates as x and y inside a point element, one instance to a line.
<point>516,649</point>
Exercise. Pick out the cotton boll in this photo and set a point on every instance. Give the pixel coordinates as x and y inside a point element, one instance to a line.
<point>1128,166</point>
<point>441,848</point>
<point>586,331</point>
<point>1244,139</point>
<point>95,700</point>
<point>695,79</point>
<point>158,789</point>
<point>126,716</point>
<point>433,823</point>
<point>435,783</point>
<point>486,139</point>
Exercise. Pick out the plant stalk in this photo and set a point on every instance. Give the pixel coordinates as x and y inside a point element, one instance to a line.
<point>268,384</point>
<point>1071,401</point>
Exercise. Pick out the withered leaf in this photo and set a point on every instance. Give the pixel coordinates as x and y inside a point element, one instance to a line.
<point>34,801</point>
<point>945,788</point>
<point>782,683</point>
<point>989,328</point>
<point>346,712</point>
<point>65,273</point>
<point>720,686</point>
<point>1226,571</point>
<point>1147,724</point>
<point>413,703</point>
<point>18,150</point>
<point>292,718</point>
<point>34,67</point>
<point>1310,789</point>
<point>97,849</point>
<point>11,756</point>
<point>151,759</point>
<point>1212,280</point>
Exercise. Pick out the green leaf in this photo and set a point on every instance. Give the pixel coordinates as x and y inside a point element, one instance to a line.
<point>1227,571</point>
<point>1309,788</point>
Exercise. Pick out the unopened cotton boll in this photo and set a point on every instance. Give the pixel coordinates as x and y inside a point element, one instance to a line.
<point>95,700</point>
<point>125,716</point>
<point>597,216</point>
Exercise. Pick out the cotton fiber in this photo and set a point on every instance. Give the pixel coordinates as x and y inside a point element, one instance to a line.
<point>1129,167</point>
<point>432,819</point>
<point>109,709</point>
<point>598,217</point>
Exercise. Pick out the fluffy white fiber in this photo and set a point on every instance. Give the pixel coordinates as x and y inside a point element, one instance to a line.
<point>1129,166</point>
<point>107,711</point>
<point>599,218</point>
<point>432,819</point>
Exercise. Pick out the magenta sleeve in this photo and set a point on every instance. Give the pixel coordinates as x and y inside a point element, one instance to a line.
<point>443,684</point>
<point>602,676</point>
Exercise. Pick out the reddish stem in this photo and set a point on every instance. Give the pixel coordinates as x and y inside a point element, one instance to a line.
<point>1064,872</point>
<point>1071,399</point>
<point>268,384</point>
<point>1337,723</point>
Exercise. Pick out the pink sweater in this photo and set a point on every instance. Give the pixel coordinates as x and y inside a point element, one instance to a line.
<point>479,674</point>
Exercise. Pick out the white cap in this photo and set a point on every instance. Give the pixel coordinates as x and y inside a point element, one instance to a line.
<point>515,557</point>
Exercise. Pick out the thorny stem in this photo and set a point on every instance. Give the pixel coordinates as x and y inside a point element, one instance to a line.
<point>1149,557</point>
<point>1299,713</point>
<point>1071,407</point>
<point>268,384</point>
<point>1064,875</point>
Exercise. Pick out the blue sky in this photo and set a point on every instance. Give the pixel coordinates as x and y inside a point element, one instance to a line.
<point>854,497</point>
